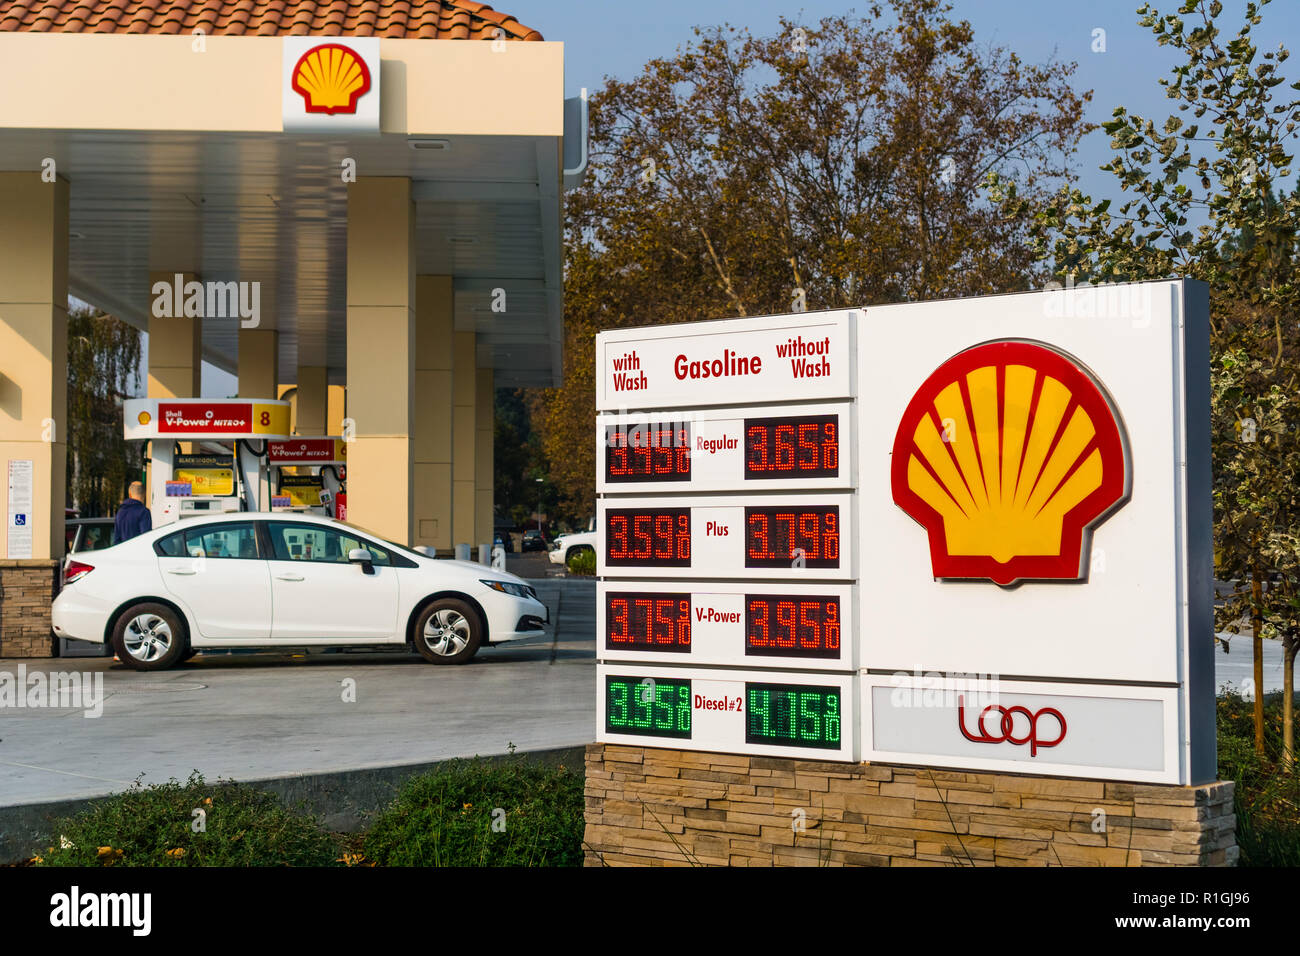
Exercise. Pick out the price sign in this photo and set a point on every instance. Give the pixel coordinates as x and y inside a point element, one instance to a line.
<point>808,626</point>
<point>726,608</point>
<point>791,537</point>
<point>781,714</point>
<point>702,364</point>
<point>761,448</point>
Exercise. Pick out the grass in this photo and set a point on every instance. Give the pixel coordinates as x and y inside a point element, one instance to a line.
<point>190,824</point>
<point>464,813</point>
<point>474,813</point>
<point>1267,797</point>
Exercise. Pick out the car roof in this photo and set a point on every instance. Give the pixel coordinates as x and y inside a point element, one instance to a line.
<point>233,517</point>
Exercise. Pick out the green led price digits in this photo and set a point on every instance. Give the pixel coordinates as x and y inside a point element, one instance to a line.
<point>648,706</point>
<point>793,715</point>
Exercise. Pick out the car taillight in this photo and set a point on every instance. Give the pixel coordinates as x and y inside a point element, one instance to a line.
<point>75,571</point>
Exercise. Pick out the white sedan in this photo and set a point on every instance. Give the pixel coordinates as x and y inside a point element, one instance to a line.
<point>269,580</point>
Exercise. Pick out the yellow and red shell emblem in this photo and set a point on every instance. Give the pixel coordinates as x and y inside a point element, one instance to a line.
<point>1009,454</point>
<point>331,78</point>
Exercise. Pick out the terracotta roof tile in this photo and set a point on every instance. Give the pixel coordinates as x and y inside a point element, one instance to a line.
<point>422,19</point>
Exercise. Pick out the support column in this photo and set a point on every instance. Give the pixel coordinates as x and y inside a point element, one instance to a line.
<point>175,348</point>
<point>313,396</point>
<point>335,409</point>
<point>259,356</point>
<point>464,437</point>
<point>33,366</point>
<point>435,328</point>
<point>484,475</point>
<point>381,355</point>
<point>175,343</point>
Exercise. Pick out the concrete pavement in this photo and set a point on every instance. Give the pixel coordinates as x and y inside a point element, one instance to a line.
<point>250,717</point>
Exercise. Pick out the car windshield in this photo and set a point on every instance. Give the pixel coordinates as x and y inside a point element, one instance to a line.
<point>390,544</point>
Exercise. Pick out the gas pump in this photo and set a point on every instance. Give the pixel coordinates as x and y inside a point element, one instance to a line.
<point>318,491</point>
<point>228,471</point>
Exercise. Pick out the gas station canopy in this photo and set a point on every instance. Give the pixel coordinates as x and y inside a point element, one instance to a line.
<point>181,154</point>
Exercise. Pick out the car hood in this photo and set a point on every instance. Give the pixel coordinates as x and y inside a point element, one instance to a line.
<point>479,570</point>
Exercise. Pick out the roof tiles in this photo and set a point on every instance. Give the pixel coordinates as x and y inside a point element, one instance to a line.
<point>412,19</point>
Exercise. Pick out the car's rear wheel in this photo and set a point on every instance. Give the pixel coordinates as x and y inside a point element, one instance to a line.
<point>448,631</point>
<point>150,637</point>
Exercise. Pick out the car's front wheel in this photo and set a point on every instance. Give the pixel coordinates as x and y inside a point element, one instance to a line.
<point>577,550</point>
<point>448,631</point>
<point>149,637</point>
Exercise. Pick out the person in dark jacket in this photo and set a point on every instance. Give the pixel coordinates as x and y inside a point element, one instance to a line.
<point>133,518</point>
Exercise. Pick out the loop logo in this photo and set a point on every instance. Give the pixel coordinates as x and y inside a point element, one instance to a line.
<point>1006,730</point>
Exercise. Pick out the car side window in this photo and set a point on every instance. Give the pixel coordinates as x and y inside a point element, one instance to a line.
<point>172,546</point>
<point>221,541</point>
<point>320,544</point>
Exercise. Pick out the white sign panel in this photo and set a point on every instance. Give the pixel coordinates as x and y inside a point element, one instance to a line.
<point>1023,484</point>
<point>759,448</point>
<point>802,357</point>
<point>805,626</point>
<point>791,537</point>
<point>18,528</point>
<point>330,84</point>
<point>776,713</point>
<point>1106,731</point>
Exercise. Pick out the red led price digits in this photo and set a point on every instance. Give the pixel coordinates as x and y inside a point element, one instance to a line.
<point>792,537</point>
<point>647,621</point>
<point>804,446</point>
<point>658,538</point>
<point>785,625</point>
<point>643,452</point>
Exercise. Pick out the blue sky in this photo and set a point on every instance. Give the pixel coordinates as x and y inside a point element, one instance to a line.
<point>616,38</point>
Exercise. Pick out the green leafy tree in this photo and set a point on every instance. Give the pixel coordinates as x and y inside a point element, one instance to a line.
<point>820,167</point>
<point>1202,202</point>
<point>103,370</point>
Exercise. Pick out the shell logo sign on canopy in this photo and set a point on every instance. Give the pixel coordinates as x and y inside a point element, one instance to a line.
<point>331,78</point>
<point>1009,455</point>
<point>330,84</point>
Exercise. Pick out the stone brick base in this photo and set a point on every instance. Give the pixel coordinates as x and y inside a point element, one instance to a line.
<point>27,590</point>
<point>653,807</point>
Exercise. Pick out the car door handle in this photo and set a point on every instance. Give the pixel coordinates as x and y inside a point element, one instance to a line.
<point>288,577</point>
<point>180,571</point>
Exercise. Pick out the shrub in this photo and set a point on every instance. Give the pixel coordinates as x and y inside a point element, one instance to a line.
<point>1268,827</point>
<point>152,826</point>
<point>583,562</point>
<point>446,817</point>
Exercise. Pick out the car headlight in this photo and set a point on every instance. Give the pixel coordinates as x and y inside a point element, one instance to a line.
<point>509,587</point>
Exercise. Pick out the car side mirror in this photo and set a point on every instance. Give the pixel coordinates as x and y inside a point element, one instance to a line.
<point>364,558</point>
